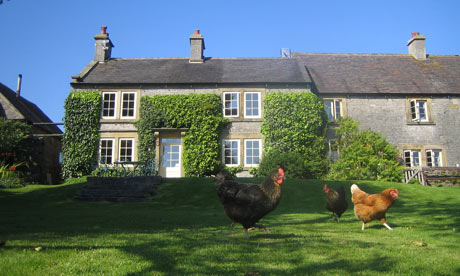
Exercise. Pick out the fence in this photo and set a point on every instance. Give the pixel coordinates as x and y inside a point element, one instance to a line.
<point>429,176</point>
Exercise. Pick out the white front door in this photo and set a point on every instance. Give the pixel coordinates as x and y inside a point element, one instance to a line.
<point>171,157</point>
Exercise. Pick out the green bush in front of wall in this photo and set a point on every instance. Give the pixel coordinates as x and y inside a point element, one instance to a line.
<point>81,136</point>
<point>295,123</point>
<point>201,114</point>
<point>365,155</point>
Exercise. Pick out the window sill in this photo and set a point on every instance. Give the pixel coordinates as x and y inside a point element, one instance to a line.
<point>116,121</point>
<point>421,123</point>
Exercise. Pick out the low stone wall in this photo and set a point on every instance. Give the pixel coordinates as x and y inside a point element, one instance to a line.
<point>119,189</point>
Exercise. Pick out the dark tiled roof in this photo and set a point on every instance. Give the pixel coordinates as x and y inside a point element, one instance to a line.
<point>30,111</point>
<point>180,71</point>
<point>373,73</point>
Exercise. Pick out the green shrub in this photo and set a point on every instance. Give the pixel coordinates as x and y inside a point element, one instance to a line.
<point>81,137</point>
<point>234,170</point>
<point>294,127</point>
<point>364,155</point>
<point>292,162</point>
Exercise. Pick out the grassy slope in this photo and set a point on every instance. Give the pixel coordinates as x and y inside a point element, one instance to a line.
<point>185,232</point>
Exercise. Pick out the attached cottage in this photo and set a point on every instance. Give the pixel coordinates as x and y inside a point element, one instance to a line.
<point>45,134</point>
<point>413,99</point>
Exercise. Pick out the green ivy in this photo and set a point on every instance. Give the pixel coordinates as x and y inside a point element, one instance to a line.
<point>297,123</point>
<point>81,136</point>
<point>200,113</point>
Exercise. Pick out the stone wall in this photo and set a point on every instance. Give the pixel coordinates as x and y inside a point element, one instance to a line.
<point>388,116</point>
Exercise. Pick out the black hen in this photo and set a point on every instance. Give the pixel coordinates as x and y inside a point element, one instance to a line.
<point>247,203</point>
<point>336,201</point>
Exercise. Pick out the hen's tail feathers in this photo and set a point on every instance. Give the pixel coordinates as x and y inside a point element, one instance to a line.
<point>354,188</point>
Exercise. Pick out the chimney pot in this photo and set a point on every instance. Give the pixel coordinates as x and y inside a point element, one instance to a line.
<point>197,31</point>
<point>415,34</point>
<point>103,29</point>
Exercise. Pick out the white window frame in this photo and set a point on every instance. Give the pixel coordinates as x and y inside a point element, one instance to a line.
<point>410,154</point>
<point>114,108</point>
<point>237,150</point>
<point>258,105</point>
<point>333,104</point>
<point>237,104</point>
<point>414,108</point>
<point>431,160</point>
<point>123,104</point>
<point>112,149</point>
<point>133,147</point>
<point>245,152</point>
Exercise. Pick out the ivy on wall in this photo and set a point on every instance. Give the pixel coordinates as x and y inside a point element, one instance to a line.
<point>200,113</point>
<point>81,136</point>
<point>296,123</point>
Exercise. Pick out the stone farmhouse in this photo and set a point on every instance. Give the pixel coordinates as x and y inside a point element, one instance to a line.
<point>412,99</point>
<point>46,136</point>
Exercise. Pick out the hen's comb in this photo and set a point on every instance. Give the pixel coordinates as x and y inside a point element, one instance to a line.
<point>281,171</point>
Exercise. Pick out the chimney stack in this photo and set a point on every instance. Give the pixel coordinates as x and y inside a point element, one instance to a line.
<point>196,47</point>
<point>18,88</point>
<point>104,46</point>
<point>417,46</point>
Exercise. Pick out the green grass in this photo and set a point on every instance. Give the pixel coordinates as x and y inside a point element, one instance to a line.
<point>184,231</point>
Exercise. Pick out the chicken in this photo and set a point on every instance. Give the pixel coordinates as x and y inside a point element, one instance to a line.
<point>369,207</point>
<point>247,203</point>
<point>335,201</point>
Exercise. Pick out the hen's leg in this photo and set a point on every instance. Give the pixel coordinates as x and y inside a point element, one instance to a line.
<point>362,228</point>
<point>336,218</point>
<point>260,226</point>
<point>387,226</point>
<point>384,221</point>
<point>246,232</point>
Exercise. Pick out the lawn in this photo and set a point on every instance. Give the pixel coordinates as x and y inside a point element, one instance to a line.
<point>184,231</point>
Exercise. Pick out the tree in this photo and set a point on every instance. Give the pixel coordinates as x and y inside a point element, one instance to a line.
<point>13,136</point>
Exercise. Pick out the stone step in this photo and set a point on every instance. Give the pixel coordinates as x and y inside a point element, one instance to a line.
<point>118,189</point>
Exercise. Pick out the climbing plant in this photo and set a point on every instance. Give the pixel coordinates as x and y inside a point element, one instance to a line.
<point>81,136</point>
<point>295,124</point>
<point>200,113</point>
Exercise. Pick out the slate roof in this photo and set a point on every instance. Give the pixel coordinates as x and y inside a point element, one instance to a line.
<point>180,71</point>
<point>29,110</point>
<point>374,73</point>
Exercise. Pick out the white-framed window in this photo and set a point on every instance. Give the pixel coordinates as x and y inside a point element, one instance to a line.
<point>333,109</point>
<point>434,158</point>
<point>252,104</point>
<point>109,103</point>
<point>128,105</point>
<point>231,104</point>
<point>126,150</point>
<point>252,152</point>
<point>412,158</point>
<point>106,151</point>
<point>419,110</point>
<point>231,152</point>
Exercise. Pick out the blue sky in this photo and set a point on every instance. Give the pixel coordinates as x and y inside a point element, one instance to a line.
<point>48,41</point>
